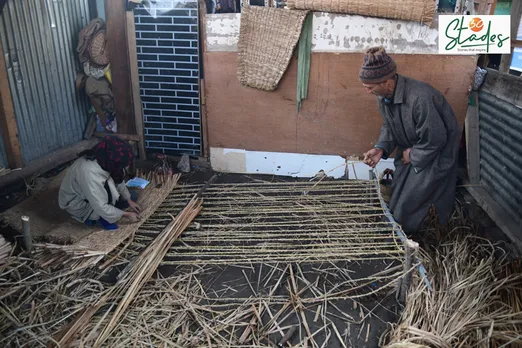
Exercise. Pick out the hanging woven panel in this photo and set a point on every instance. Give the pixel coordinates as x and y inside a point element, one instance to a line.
<point>267,38</point>
<point>408,10</point>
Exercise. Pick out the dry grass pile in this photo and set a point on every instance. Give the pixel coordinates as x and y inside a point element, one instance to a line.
<point>242,302</point>
<point>477,294</point>
<point>35,303</point>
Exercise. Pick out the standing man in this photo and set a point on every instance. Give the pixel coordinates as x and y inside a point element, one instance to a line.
<point>420,124</point>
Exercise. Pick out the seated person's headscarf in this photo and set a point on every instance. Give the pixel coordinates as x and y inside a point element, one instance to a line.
<point>113,155</point>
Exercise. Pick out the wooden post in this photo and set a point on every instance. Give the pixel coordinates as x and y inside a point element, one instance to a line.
<point>115,12</point>
<point>26,232</point>
<point>411,249</point>
<point>135,83</point>
<point>205,149</point>
<point>8,118</point>
<point>493,7</point>
<point>516,12</point>
<point>483,7</point>
<point>472,141</point>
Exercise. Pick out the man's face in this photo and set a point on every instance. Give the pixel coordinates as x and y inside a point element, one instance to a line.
<point>377,89</point>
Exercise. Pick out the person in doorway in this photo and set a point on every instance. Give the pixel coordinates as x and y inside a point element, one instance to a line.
<point>420,125</point>
<point>93,190</point>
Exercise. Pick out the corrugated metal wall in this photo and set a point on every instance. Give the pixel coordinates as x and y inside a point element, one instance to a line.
<point>501,153</point>
<point>39,39</point>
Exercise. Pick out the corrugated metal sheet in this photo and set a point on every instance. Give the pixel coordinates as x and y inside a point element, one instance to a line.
<point>3,158</point>
<point>39,38</point>
<point>501,153</point>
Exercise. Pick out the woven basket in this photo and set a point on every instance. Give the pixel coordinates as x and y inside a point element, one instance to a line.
<point>385,183</point>
<point>409,10</point>
<point>98,51</point>
<point>267,38</point>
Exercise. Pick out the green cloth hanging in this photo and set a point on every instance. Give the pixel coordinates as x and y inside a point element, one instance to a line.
<point>303,60</point>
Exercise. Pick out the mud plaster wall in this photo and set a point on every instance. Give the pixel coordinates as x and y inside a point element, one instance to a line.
<point>338,118</point>
<point>336,33</point>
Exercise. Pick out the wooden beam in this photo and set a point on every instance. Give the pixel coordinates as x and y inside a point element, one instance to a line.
<point>516,12</point>
<point>205,149</point>
<point>204,124</point>
<point>116,18</point>
<point>132,137</point>
<point>47,162</point>
<point>93,10</point>
<point>135,83</point>
<point>472,141</point>
<point>90,128</point>
<point>8,118</point>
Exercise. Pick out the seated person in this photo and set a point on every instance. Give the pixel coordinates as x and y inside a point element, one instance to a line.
<point>93,189</point>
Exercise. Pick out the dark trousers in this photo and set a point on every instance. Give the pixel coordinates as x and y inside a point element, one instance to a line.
<point>120,203</point>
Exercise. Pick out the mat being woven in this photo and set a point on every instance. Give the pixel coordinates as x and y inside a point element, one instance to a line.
<point>277,222</point>
<point>267,255</point>
<point>267,38</point>
<point>409,10</point>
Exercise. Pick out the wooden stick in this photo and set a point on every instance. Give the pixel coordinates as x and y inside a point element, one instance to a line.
<point>411,249</point>
<point>26,230</point>
<point>287,336</point>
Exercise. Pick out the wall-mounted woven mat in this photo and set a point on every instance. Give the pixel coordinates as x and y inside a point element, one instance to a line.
<point>409,10</point>
<point>267,38</point>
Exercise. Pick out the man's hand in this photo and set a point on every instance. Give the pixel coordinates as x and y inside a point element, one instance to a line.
<point>133,217</point>
<point>406,156</point>
<point>134,206</point>
<point>373,157</point>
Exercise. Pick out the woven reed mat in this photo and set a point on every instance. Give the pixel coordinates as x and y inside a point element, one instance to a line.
<point>267,38</point>
<point>409,10</point>
<point>93,247</point>
<point>47,221</point>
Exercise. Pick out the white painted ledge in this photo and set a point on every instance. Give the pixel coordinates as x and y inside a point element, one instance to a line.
<point>289,164</point>
<point>337,33</point>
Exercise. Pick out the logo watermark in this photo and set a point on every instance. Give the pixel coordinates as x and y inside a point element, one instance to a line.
<point>474,34</point>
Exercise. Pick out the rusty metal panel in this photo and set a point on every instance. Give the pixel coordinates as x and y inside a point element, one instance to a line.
<point>501,152</point>
<point>39,38</point>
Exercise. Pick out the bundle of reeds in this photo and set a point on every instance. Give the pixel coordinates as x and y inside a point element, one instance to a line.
<point>132,278</point>
<point>475,302</point>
